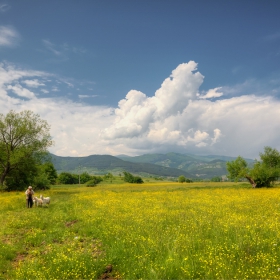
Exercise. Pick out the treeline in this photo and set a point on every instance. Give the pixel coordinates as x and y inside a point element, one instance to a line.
<point>84,178</point>
<point>91,180</point>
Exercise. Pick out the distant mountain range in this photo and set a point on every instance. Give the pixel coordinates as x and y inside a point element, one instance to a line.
<point>163,165</point>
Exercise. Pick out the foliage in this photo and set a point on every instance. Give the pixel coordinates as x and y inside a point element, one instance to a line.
<point>216,179</point>
<point>128,177</point>
<point>67,178</point>
<point>94,181</point>
<point>263,173</point>
<point>108,176</point>
<point>50,171</point>
<point>21,177</point>
<point>182,179</point>
<point>24,138</point>
<point>41,181</point>
<point>85,177</point>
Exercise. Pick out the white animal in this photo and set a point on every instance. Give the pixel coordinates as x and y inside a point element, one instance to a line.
<point>39,201</point>
<point>45,200</point>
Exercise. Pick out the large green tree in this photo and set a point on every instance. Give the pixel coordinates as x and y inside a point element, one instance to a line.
<point>263,173</point>
<point>24,138</point>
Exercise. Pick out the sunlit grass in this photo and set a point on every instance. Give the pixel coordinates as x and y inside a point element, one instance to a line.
<point>160,230</point>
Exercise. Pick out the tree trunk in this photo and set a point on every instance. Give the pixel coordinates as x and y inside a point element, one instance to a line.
<point>251,181</point>
<point>3,175</point>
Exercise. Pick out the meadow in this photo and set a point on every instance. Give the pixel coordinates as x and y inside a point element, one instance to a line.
<point>157,230</point>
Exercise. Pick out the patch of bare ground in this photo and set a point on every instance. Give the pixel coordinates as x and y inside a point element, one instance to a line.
<point>20,257</point>
<point>70,223</point>
<point>109,274</point>
<point>8,239</point>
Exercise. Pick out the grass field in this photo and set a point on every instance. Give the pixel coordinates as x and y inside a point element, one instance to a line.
<point>157,230</point>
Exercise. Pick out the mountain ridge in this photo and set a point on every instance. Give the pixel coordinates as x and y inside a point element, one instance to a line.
<point>101,164</point>
<point>166,165</point>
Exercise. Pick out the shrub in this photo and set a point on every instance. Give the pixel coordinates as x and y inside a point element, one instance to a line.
<point>94,181</point>
<point>128,177</point>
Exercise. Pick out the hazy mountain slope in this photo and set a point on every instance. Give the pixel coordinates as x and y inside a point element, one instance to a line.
<point>107,163</point>
<point>198,166</point>
<point>170,164</point>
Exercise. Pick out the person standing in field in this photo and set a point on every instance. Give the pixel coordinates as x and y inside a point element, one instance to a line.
<point>29,197</point>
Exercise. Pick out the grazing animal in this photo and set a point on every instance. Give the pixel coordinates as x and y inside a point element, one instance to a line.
<point>39,201</point>
<point>45,200</point>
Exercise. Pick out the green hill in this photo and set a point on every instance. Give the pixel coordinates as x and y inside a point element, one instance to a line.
<point>101,164</point>
<point>198,166</point>
<point>165,165</point>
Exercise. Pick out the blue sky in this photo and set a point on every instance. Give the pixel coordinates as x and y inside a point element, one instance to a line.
<point>135,77</point>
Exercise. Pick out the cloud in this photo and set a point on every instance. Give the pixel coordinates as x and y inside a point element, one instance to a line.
<point>175,118</point>
<point>62,51</point>
<point>179,118</point>
<point>33,83</point>
<point>86,96</point>
<point>212,93</point>
<point>51,47</point>
<point>8,36</point>
<point>9,74</point>
<point>272,37</point>
<point>55,89</point>
<point>137,111</point>
<point>4,8</point>
<point>20,91</point>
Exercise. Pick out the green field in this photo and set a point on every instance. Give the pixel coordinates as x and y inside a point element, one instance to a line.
<point>157,230</point>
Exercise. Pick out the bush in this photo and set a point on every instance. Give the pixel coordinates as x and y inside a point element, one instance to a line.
<point>68,178</point>
<point>216,179</point>
<point>128,177</point>
<point>94,181</point>
<point>41,182</point>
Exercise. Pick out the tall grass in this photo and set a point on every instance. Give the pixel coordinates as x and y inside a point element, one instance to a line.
<point>150,231</point>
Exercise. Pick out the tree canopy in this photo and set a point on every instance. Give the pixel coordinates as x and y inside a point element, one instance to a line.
<point>128,177</point>
<point>263,173</point>
<point>24,139</point>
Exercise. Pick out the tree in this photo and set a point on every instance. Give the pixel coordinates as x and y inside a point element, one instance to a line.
<point>181,179</point>
<point>94,181</point>
<point>263,173</point>
<point>41,181</point>
<point>68,178</point>
<point>49,170</point>
<point>108,176</point>
<point>85,177</point>
<point>24,138</point>
<point>216,179</point>
<point>128,177</point>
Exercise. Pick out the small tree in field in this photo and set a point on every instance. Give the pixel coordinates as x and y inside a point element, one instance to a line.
<point>264,172</point>
<point>181,179</point>
<point>128,177</point>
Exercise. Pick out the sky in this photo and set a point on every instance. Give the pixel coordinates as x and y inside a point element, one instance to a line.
<point>136,77</point>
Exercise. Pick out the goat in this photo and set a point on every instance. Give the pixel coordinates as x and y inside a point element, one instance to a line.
<point>45,200</point>
<point>39,201</point>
